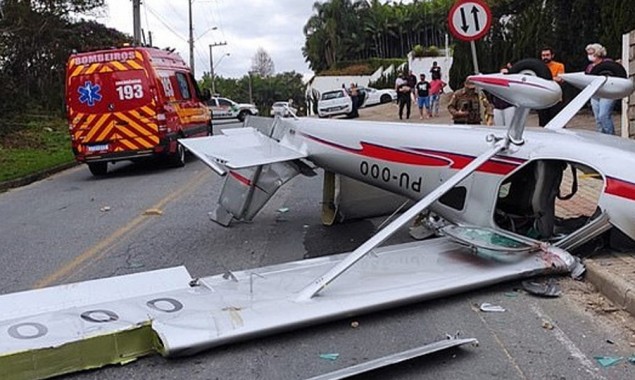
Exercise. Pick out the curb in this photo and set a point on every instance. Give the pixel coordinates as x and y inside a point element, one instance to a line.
<point>604,274</point>
<point>23,181</point>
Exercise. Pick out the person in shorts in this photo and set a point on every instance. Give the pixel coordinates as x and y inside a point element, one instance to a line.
<point>422,90</point>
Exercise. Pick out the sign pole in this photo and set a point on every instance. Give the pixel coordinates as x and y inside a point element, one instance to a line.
<point>474,57</point>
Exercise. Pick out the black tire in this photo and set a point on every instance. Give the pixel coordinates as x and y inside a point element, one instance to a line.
<point>385,98</point>
<point>610,69</point>
<point>531,66</point>
<point>177,159</point>
<point>98,169</point>
<point>242,115</point>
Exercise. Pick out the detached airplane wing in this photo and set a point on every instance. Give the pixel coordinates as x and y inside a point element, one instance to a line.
<point>238,149</point>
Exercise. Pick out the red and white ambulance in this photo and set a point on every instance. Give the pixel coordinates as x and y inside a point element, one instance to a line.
<point>130,103</point>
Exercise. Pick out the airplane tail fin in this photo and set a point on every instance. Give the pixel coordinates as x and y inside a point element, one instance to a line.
<point>254,162</point>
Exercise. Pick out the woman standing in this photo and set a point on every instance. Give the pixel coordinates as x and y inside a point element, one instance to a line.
<point>602,108</point>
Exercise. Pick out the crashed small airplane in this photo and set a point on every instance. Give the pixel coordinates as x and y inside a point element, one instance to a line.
<point>491,194</point>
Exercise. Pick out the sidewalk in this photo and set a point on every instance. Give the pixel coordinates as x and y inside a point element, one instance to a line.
<point>611,273</point>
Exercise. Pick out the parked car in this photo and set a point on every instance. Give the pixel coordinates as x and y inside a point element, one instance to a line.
<point>283,108</point>
<point>223,108</point>
<point>336,102</point>
<point>375,96</point>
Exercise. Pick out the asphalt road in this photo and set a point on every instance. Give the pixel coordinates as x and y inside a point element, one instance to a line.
<point>73,227</point>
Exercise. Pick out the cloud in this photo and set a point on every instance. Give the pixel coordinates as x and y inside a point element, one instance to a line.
<point>245,25</point>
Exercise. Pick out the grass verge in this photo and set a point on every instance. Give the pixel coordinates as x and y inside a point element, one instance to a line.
<point>33,146</point>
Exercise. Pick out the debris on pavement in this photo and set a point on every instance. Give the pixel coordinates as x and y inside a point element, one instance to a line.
<point>547,324</point>
<point>354,324</point>
<point>488,307</point>
<point>330,356</point>
<point>282,210</point>
<point>607,361</point>
<point>105,209</point>
<point>153,211</point>
<point>549,288</point>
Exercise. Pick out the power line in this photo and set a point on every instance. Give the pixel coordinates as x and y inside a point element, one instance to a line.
<point>165,24</point>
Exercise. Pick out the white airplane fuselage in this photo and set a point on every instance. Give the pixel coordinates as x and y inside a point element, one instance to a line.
<point>412,160</point>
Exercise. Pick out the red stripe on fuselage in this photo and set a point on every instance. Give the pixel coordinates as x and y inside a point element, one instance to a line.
<point>423,157</point>
<point>620,188</point>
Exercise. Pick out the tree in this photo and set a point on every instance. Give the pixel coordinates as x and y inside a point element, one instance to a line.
<point>262,64</point>
<point>36,38</point>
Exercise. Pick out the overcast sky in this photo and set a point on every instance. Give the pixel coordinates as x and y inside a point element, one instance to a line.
<point>246,25</point>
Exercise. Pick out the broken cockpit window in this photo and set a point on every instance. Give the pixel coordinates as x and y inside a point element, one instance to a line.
<point>548,200</point>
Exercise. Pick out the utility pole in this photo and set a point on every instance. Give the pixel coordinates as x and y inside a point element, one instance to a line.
<point>211,62</point>
<point>136,22</point>
<point>189,2</point>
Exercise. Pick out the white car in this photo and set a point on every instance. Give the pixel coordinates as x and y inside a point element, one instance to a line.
<point>223,108</point>
<point>283,108</point>
<point>336,102</point>
<point>374,96</point>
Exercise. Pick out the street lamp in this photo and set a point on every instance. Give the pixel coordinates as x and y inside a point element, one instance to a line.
<point>211,61</point>
<point>212,66</point>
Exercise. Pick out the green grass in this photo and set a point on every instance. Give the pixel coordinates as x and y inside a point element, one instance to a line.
<point>34,146</point>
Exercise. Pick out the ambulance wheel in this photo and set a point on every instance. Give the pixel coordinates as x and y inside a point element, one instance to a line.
<point>242,115</point>
<point>610,69</point>
<point>531,66</point>
<point>177,159</point>
<point>98,169</point>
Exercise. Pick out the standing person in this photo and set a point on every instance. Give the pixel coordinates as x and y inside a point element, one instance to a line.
<point>435,71</point>
<point>547,55</point>
<point>412,82</point>
<point>403,95</point>
<point>465,106</point>
<point>422,89</point>
<point>354,93</point>
<point>436,88</point>
<point>602,108</point>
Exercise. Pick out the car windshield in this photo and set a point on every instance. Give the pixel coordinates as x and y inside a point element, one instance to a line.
<point>332,95</point>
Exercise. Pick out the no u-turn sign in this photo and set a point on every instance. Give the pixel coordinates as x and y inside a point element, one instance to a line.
<point>469,20</point>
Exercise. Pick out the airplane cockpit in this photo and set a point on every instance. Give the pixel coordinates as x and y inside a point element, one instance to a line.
<point>548,199</point>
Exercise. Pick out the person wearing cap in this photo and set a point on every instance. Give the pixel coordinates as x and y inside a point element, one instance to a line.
<point>465,106</point>
<point>602,108</point>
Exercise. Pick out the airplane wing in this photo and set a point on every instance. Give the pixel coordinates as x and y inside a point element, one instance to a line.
<point>239,148</point>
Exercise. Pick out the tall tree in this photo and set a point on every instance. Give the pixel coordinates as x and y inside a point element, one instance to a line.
<point>36,38</point>
<point>262,64</point>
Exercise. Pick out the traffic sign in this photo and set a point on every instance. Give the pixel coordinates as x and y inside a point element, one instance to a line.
<point>469,20</point>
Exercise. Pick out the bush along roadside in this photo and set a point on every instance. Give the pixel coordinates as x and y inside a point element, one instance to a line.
<point>33,147</point>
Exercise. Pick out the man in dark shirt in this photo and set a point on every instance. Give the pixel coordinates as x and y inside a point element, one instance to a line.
<point>422,89</point>
<point>435,71</point>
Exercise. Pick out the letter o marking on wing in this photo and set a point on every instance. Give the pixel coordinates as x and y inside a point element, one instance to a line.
<point>159,304</point>
<point>97,316</point>
<point>14,331</point>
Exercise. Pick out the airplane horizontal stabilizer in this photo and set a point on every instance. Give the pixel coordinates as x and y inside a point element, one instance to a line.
<point>239,148</point>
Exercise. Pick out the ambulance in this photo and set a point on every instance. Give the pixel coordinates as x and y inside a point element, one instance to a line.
<point>131,103</point>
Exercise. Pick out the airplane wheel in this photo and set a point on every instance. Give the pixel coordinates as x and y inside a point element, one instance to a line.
<point>610,69</point>
<point>531,66</point>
